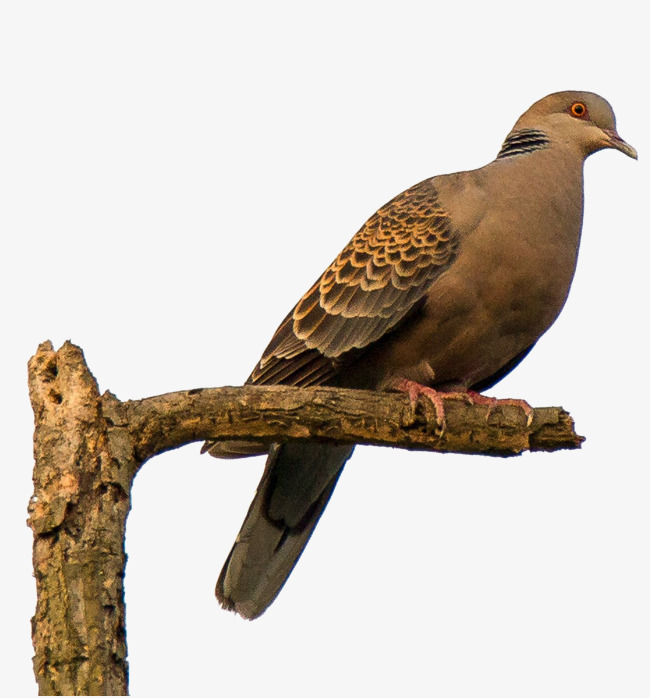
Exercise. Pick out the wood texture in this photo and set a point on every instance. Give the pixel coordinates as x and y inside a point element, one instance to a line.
<point>277,413</point>
<point>78,515</point>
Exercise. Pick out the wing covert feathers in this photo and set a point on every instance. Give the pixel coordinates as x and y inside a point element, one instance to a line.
<point>371,286</point>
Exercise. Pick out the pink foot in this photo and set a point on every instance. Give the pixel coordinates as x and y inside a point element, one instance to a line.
<point>436,397</point>
<point>492,402</point>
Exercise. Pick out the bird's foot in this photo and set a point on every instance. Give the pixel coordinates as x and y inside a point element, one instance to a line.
<point>437,397</point>
<point>492,402</point>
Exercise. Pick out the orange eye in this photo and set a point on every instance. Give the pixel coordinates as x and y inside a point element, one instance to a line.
<point>579,109</point>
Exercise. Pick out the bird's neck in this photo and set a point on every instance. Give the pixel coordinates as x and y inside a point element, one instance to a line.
<point>524,140</point>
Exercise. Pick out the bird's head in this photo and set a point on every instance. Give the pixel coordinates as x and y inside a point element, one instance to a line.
<point>582,119</point>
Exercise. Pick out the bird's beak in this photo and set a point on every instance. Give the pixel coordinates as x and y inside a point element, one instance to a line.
<point>613,140</point>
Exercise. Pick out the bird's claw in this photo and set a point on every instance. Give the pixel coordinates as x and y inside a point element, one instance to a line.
<point>492,402</point>
<point>437,397</point>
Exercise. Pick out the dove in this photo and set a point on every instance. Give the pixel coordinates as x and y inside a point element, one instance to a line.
<point>444,290</point>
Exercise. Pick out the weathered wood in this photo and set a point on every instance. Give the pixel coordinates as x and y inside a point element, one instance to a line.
<point>78,514</point>
<point>277,413</point>
<point>89,447</point>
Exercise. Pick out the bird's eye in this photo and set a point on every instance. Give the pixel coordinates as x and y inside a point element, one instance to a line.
<point>579,110</point>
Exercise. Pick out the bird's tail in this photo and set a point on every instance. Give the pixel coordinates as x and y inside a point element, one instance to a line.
<point>298,481</point>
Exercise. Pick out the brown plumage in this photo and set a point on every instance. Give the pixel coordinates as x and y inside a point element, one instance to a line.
<point>449,285</point>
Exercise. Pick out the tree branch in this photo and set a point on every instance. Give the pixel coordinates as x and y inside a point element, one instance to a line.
<point>89,447</point>
<point>279,413</point>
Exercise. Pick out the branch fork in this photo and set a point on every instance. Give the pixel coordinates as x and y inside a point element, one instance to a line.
<point>88,448</point>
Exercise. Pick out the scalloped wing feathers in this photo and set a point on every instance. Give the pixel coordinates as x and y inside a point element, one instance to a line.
<point>373,284</point>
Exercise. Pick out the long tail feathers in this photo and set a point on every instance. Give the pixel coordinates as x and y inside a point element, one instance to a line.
<point>298,481</point>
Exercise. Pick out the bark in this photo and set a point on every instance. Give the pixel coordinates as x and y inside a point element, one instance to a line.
<point>78,516</point>
<point>88,448</point>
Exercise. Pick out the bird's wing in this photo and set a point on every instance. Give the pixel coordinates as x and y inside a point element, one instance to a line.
<point>371,286</point>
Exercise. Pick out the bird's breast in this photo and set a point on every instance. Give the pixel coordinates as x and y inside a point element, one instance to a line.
<point>517,253</point>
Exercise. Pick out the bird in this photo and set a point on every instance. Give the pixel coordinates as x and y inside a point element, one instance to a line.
<point>444,290</point>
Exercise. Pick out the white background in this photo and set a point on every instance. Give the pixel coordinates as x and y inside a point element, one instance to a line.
<point>173,177</point>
